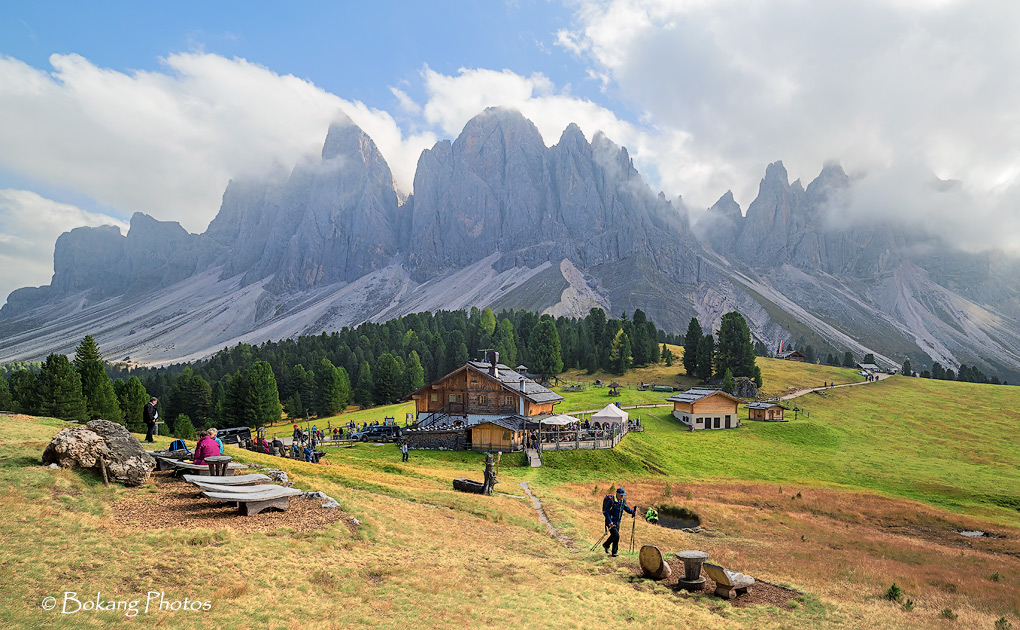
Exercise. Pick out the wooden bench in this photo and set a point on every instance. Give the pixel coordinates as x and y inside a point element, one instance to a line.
<point>251,503</point>
<point>236,480</point>
<point>728,583</point>
<point>212,486</point>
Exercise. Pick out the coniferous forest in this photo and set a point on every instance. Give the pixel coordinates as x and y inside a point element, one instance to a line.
<point>371,364</point>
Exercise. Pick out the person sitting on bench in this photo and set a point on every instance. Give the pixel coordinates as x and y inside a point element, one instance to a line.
<point>207,447</point>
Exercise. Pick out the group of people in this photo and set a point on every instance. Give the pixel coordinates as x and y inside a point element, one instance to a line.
<point>208,446</point>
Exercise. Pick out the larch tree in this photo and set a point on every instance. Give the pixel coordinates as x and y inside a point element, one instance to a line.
<point>545,351</point>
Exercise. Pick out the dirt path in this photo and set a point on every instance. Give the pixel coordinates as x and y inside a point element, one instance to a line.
<point>566,542</point>
<point>801,392</point>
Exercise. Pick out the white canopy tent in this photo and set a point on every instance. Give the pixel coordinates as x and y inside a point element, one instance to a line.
<point>559,420</point>
<point>611,413</point>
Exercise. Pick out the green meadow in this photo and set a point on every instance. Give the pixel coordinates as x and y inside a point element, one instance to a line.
<point>421,553</point>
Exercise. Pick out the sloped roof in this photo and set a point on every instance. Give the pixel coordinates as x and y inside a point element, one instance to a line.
<point>697,393</point>
<point>510,423</point>
<point>788,354</point>
<point>511,380</point>
<point>871,367</point>
<point>508,379</point>
<point>764,405</point>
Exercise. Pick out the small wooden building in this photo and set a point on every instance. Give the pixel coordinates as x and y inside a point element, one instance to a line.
<point>766,411</point>
<point>502,434</point>
<point>791,355</point>
<point>701,408</point>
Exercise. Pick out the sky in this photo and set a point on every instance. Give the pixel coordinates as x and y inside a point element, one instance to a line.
<point>112,108</point>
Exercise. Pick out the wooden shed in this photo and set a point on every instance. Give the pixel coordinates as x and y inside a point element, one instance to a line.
<point>766,411</point>
<point>503,435</point>
<point>791,355</point>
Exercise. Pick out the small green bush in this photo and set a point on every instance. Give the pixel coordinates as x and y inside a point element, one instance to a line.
<point>995,577</point>
<point>908,605</point>
<point>1003,624</point>
<point>183,429</point>
<point>894,593</point>
<point>948,613</point>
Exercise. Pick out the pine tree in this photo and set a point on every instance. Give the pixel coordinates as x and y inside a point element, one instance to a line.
<point>6,400</point>
<point>705,352</point>
<point>831,360</point>
<point>132,398</point>
<point>96,387</point>
<point>848,360</point>
<point>691,341</point>
<point>387,380</point>
<point>183,428</point>
<point>415,371</point>
<point>363,391</point>
<point>503,342</point>
<point>734,350</point>
<point>868,358</point>
<point>253,398</point>
<point>906,370</point>
<point>727,381</point>
<point>58,389</point>
<point>544,350</point>
<point>332,389</point>
<point>192,396</point>
<point>25,392</point>
<point>641,354</point>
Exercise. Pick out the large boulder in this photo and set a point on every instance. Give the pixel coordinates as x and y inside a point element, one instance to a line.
<point>744,387</point>
<point>84,446</point>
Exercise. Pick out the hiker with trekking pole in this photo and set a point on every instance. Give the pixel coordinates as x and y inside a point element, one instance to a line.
<point>613,507</point>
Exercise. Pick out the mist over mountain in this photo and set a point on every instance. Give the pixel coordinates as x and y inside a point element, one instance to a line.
<point>499,219</point>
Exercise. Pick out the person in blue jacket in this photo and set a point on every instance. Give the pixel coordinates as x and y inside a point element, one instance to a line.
<point>613,508</point>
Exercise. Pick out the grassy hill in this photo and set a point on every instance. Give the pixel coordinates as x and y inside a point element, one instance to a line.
<point>870,486</point>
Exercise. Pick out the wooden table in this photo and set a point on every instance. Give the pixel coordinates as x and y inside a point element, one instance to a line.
<point>218,465</point>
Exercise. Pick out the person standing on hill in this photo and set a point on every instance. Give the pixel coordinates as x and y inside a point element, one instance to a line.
<point>403,451</point>
<point>150,415</point>
<point>613,508</point>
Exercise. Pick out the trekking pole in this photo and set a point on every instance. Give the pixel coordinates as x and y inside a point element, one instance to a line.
<point>633,523</point>
<point>599,541</point>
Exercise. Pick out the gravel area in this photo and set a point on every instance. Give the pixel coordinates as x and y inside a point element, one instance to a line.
<point>179,504</point>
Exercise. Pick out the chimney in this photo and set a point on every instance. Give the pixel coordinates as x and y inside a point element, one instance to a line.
<point>493,357</point>
<point>522,398</point>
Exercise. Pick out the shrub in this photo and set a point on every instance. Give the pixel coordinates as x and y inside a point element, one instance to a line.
<point>908,605</point>
<point>1003,624</point>
<point>948,613</point>
<point>995,577</point>
<point>895,593</point>
<point>183,429</point>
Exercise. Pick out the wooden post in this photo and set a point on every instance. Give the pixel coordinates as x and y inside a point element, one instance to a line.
<point>102,466</point>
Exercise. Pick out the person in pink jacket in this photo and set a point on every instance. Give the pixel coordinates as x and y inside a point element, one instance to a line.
<point>207,447</point>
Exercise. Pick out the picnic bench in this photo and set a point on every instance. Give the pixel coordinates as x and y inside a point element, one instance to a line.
<point>236,480</point>
<point>728,583</point>
<point>252,503</point>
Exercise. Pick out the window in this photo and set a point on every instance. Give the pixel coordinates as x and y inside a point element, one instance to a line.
<point>509,400</point>
<point>483,400</point>
<point>474,378</point>
<point>435,397</point>
<point>453,397</point>
<point>506,436</point>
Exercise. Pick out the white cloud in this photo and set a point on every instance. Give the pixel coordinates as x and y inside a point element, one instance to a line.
<point>29,227</point>
<point>167,142</point>
<point>907,88</point>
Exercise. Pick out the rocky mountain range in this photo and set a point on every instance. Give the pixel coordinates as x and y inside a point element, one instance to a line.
<point>499,219</point>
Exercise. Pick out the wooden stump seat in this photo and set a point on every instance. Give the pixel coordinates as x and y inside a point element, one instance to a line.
<point>728,583</point>
<point>652,564</point>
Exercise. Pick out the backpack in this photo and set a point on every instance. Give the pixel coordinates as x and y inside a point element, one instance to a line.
<point>607,503</point>
<point>179,445</point>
